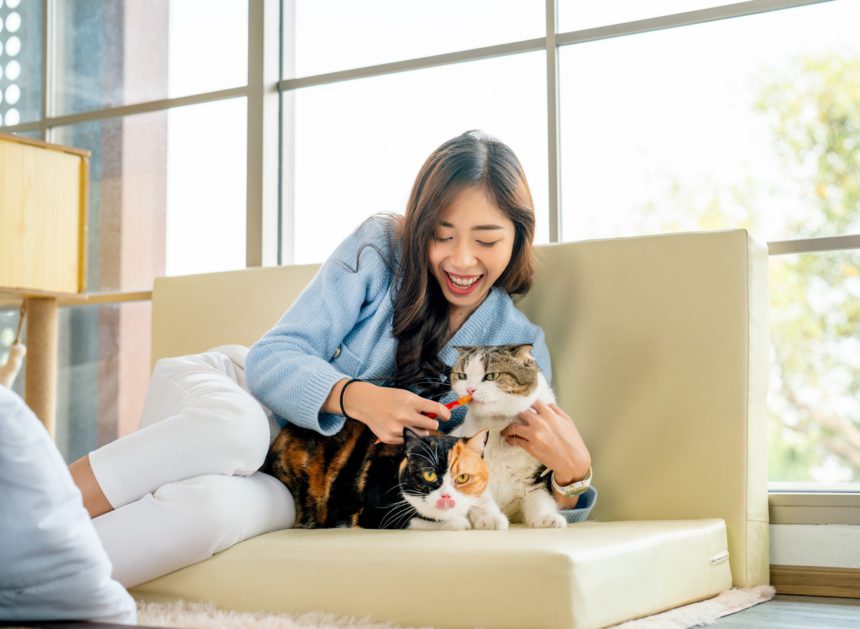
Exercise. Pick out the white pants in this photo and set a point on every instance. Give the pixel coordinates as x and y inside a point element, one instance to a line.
<point>186,485</point>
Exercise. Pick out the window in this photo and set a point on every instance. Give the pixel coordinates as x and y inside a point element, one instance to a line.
<point>672,130</point>
<point>158,93</point>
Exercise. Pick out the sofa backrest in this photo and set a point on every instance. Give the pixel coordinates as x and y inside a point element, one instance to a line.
<point>659,347</point>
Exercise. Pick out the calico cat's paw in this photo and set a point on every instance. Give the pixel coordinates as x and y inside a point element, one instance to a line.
<point>548,521</point>
<point>487,521</point>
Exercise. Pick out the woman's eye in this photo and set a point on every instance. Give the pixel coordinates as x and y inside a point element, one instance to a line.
<point>492,376</point>
<point>461,375</point>
<point>441,238</point>
<point>463,478</point>
<point>487,244</point>
<point>429,476</point>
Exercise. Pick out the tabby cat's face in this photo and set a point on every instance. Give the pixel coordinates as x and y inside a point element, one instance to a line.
<point>442,476</point>
<point>501,379</point>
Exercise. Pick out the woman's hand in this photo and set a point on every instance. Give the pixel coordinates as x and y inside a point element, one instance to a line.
<point>549,435</point>
<point>387,411</point>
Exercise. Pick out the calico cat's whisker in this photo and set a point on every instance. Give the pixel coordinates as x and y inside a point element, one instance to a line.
<point>432,452</point>
<point>402,517</point>
<point>419,454</point>
<point>396,515</point>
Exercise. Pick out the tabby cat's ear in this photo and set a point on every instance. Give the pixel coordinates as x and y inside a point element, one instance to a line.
<point>477,442</point>
<point>409,435</point>
<point>464,349</point>
<point>523,352</point>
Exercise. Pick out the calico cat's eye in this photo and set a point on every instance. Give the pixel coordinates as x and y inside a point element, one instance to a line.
<point>493,375</point>
<point>462,478</point>
<point>461,376</point>
<point>429,476</point>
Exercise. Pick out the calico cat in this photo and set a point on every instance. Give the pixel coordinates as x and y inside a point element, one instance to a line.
<point>348,480</point>
<point>503,381</point>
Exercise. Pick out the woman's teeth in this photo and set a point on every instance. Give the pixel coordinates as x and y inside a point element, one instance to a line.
<point>463,283</point>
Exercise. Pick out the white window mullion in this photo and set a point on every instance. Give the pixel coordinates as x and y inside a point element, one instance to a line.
<point>262,147</point>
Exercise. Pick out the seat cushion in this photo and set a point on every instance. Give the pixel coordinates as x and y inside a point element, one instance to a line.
<point>591,574</point>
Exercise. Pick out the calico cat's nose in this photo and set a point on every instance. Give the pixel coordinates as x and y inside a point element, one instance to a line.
<point>445,502</point>
<point>470,390</point>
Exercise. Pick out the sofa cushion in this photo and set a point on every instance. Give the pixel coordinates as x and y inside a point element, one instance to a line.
<point>591,574</point>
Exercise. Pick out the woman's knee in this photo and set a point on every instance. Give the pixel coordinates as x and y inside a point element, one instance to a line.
<point>238,432</point>
<point>224,510</point>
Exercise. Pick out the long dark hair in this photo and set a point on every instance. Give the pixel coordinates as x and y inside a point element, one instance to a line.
<point>420,308</point>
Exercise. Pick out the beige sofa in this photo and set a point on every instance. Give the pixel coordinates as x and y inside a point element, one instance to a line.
<point>659,349</point>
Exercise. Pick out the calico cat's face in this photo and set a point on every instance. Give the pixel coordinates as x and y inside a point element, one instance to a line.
<point>501,379</point>
<point>442,476</point>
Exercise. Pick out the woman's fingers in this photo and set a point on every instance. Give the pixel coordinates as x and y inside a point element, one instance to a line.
<point>560,412</point>
<point>434,409</point>
<point>423,422</point>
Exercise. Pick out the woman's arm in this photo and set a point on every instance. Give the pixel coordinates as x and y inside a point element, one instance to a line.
<point>289,368</point>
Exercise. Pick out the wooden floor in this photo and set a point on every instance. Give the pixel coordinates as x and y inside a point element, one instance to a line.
<point>797,612</point>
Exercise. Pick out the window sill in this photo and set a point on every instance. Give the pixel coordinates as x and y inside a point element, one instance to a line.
<point>814,504</point>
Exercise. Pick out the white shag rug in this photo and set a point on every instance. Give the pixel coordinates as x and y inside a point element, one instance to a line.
<point>705,612</point>
<point>207,616</point>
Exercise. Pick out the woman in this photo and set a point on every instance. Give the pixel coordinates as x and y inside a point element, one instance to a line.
<point>389,305</point>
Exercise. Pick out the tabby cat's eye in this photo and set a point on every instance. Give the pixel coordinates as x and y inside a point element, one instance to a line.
<point>429,475</point>
<point>461,375</point>
<point>463,478</point>
<point>493,375</point>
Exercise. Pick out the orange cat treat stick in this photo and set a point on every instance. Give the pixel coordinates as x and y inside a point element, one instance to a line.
<point>463,400</point>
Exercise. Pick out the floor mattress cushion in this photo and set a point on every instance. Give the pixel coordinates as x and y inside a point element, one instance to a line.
<point>591,574</point>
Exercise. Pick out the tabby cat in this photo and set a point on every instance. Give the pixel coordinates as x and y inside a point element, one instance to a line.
<point>504,380</point>
<point>348,480</point>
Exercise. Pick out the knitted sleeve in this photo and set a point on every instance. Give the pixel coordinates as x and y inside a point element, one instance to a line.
<point>289,368</point>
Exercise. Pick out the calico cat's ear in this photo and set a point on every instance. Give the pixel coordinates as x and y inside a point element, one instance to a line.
<point>409,435</point>
<point>477,442</point>
<point>523,352</point>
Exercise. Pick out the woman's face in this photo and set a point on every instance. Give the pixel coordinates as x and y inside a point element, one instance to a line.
<point>470,249</point>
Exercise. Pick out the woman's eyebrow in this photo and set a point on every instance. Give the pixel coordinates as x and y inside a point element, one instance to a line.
<point>475,227</point>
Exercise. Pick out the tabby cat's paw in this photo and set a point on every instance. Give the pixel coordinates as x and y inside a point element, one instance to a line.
<point>457,523</point>
<point>489,521</point>
<point>548,521</point>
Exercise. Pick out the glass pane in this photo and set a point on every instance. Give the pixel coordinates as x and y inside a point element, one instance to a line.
<point>158,183</point>
<point>102,374</point>
<point>814,433</point>
<point>360,144</point>
<point>9,318</point>
<point>763,137</point>
<point>20,61</point>
<point>575,15</point>
<point>118,53</point>
<point>339,34</point>
<point>34,134</point>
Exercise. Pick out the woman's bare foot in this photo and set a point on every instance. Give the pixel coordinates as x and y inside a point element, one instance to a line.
<point>95,500</point>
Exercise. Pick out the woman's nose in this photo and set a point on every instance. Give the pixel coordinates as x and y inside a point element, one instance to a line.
<point>464,257</point>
